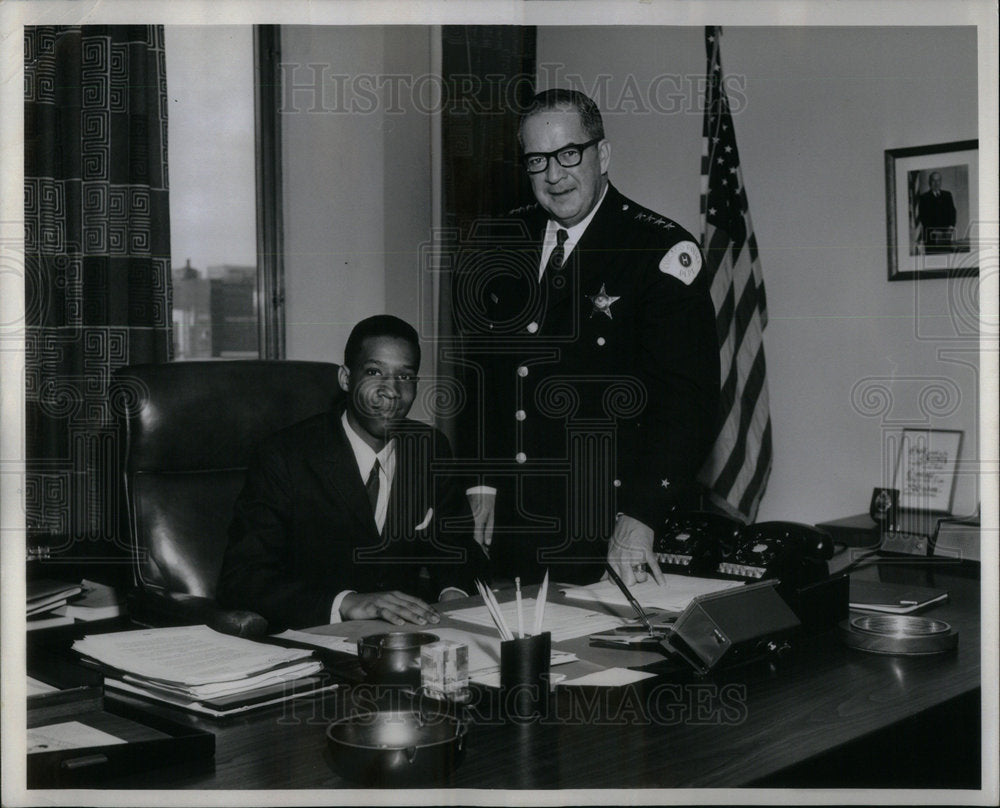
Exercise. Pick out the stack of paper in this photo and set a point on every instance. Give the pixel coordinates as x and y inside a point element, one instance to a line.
<point>44,598</point>
<point>98,602</point>
<point>45,595</point>
<point>562,621</point>
<point>194,665</point>
<point>674,595</point>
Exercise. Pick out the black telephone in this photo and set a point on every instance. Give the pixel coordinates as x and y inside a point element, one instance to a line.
<point>695,542</point>
<point>794,553</point>
<point>701,543</point>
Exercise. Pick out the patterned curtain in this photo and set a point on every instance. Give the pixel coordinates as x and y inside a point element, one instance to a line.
<point>489,71</point>
<point>97,250</point>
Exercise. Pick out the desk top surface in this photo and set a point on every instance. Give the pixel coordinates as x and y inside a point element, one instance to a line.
<point>730,729</point>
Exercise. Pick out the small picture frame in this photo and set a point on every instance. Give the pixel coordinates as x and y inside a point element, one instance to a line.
<point>884,506</point>
<point>931,197</point>
<point>925,469</point>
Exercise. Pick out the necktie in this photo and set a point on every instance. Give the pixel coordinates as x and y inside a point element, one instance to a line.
<point>372,487</point>
<point>558,254</point>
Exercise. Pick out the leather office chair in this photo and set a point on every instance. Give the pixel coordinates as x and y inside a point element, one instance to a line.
<point>188,430</point>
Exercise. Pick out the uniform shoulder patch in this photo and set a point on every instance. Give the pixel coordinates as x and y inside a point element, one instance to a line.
<point>683,261</point>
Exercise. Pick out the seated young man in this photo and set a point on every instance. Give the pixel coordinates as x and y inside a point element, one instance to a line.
<point>348,515</point>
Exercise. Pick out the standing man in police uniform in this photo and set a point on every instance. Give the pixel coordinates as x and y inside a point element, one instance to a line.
<point>591,361</point>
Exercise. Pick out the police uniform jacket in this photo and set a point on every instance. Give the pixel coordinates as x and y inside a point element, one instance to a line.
<point>597,387</point>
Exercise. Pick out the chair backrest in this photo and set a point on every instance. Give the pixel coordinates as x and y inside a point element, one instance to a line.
<point>189,430</point>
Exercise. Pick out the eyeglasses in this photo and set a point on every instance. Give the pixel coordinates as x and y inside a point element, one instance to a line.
<point>567,156</point>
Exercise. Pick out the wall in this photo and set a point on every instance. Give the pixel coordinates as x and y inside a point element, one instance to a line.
<point>815,111</point>
<point>356,181</point>
<point>818,107</point>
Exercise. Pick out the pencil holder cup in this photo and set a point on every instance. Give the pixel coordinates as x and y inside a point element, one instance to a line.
<point>524,676</point>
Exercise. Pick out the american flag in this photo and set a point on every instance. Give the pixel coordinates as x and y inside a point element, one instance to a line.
<point>738,466</point>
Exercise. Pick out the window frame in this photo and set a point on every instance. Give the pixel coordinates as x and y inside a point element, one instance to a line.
<point>270,232</point>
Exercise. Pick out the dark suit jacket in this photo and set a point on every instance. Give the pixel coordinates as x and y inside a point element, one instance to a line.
<point>608,413</point>
<point>303,528</point>
<point>937,215</point>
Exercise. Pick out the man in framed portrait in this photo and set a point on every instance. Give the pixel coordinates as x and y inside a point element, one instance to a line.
<point>936,215</point>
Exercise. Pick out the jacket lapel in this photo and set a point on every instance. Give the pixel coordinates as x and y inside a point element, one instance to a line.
<point>336,464</point>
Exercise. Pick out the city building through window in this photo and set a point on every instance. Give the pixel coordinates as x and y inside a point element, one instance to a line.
<point>212,167</point>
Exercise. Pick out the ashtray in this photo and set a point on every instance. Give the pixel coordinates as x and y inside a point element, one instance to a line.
<point>397,747</point>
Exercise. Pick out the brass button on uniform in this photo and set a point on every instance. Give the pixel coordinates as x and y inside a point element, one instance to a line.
<point>520,415</point>
<point>617,483</point>
<point>601,340</point>
<point>522,371</point>
<point>532,327</point>
<point>520,457</point>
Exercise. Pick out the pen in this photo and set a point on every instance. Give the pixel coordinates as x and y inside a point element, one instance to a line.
<point>631,598</point>
<point>908,603</point>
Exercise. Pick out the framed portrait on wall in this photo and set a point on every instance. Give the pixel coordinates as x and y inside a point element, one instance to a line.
<point>932,195</point>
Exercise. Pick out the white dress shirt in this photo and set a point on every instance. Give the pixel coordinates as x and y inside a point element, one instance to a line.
<point>575,234</point>
<point>366,457</point>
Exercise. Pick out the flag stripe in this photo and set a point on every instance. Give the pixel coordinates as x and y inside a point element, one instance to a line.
<point>737,454</point>
<point>738,467</point>
<point>751,497</point>
<point>730,430</point>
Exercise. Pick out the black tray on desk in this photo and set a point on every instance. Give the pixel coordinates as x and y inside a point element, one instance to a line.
<point>150,740</point>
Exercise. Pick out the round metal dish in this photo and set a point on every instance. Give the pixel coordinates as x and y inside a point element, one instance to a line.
<point>898,634</point>
<point>393,657</point>
<point>397,747</point>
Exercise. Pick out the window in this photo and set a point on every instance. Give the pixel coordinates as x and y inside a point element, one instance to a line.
<point>221,132</point>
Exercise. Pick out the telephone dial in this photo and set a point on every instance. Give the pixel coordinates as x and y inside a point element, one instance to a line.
<point>695,542</point>
<point>709,544</point>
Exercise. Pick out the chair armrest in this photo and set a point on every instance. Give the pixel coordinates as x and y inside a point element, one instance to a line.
<point>158,607</point>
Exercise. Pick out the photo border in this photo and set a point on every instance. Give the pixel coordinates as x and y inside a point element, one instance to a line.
<point>903,266</point>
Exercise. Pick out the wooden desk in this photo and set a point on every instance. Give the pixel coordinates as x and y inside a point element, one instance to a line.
<point>827,716</point>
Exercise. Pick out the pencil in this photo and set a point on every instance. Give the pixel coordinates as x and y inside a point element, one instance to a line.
<point>520,613</point>
<point>494,609</point>
<point>540,604</point>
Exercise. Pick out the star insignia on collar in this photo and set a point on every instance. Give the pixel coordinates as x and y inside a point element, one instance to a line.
<point>602,302</point>
<point>665,483</point>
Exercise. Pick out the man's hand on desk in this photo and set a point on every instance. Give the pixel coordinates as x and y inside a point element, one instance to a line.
<point>630,550</point>
<point>393,607</point>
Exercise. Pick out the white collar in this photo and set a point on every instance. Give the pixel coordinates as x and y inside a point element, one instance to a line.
<point>576,231</point>
<point>365,455</point>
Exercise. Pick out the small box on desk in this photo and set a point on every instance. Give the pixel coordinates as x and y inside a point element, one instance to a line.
<point>958,539</point>
<point>854,531</point>
<point>76,738</point>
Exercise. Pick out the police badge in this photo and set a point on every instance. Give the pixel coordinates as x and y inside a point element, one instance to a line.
<point>602,302</point>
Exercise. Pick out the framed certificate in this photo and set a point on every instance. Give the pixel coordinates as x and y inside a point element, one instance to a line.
<point>925,469</point>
